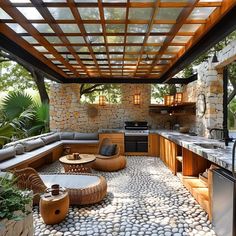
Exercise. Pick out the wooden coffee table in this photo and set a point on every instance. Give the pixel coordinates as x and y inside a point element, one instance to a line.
<point>81,165</point>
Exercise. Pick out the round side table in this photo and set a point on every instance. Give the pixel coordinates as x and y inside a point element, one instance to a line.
<point>54,209</point>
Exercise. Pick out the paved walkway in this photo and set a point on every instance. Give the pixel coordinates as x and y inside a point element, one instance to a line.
<point>143,199</point>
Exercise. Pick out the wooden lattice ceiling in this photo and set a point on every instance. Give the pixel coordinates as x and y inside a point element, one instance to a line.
<point>109,38</point>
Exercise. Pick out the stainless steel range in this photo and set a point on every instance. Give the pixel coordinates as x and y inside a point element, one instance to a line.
<point>136,136</point>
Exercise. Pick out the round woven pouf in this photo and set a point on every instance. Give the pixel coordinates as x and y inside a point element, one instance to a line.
<point>54,209</point>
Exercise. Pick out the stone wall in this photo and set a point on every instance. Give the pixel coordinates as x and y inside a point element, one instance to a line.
<point>67,113</point>
<point>209,84</point>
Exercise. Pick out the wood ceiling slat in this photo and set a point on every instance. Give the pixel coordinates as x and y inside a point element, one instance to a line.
<point>38,4</point>
<point>19,17</point>
<point>181,20</point>
<point>28,47</point>
<point>101,13</point>
<point>126,29</point>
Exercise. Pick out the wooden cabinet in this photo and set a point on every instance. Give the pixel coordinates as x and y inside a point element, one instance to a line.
<point>117,138</point>
<point>168,153</point>
<point>153,145</point>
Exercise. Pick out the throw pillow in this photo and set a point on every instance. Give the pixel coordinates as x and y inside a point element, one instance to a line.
<point>108,150</point>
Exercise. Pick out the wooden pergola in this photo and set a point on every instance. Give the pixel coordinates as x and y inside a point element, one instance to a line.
<point>109,41</point>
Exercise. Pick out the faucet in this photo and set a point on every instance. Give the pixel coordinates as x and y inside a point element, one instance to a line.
<point>233,158</point>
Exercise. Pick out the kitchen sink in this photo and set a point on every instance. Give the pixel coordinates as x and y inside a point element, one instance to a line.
<point>209,145</point>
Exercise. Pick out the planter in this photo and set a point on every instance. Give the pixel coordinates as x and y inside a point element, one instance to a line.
<point>23,227</point>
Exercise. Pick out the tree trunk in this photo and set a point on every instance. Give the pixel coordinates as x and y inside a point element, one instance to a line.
<point>39,80</point>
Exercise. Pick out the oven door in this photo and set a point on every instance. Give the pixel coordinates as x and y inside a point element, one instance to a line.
<point>136,143</point>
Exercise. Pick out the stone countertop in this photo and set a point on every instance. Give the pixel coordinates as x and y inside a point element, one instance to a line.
<point>219,155</point>
<point>111,131</point>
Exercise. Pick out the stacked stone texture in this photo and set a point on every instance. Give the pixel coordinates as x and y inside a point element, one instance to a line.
<point>67,113</point>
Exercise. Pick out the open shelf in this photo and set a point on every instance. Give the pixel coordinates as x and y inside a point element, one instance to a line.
<point>179,109</point>
<point>199,190</point>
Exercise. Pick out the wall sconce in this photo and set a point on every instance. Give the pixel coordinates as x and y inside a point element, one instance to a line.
<point>137,99</point>
<point>178,98</point>
<point>168,100</point>
<point>102,100</point>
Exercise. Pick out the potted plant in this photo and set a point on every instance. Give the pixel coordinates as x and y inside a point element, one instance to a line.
<point>16,216</point>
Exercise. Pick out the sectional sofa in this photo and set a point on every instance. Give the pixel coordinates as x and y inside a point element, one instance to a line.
<point>46,148</point>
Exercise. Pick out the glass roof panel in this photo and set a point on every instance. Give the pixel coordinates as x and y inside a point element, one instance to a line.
<point>61,13</point>
<point>140,13</point>
<point>156,39</point>
<point>40,48</point>
<point>85,56</point>
<point>201,12</point>
<point>168,13</point>
<point>93,28</point>
<point>49,56</point>
<point>54,0</point>
<point>69,28</point>
<point>142,0</point>
<point>75,39</point>
<point>211,0</point>
<point>53,39</point>
<point>137,28</point>
<point>174,48</point>
<point>151,48</point>
<point>30,13</point>
<point>100,56</point>
<point>115,28</point>
<point>16,27</point>
<point>61,48</point>
<point>135,39</point>
<point>81,49</point>
<point>132,48</point>
<point>86,0</point>
<point>99,49</point>
<point>30,39</point>
<point>115,39</point>
<point>89,13</point>
<point>114,0</point>
<point>20,1</point>
<point>181,39</point>
<point>189,27</point>
<point>96,39</point>
<point>116,56</point>
<point>115,49</point>
<point>161,28</point>
<point>114,13</point>
<point>43,28</point>
<point>4,15</point>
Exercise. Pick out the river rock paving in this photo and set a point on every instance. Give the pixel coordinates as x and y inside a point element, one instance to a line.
<point>143,199</point>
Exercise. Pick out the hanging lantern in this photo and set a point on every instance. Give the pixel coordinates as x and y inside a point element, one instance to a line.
<point>168,100</point>
<point>137,99</point>
<point>102,100</point>
<point>178,98</point>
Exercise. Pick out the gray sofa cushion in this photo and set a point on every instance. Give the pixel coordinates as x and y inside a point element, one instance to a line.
<point>33,144</point>
<point>51,138</point>
<point>67,135</point>
<point>7,153</point>
<point>20,149</point>
<point>86,136</point>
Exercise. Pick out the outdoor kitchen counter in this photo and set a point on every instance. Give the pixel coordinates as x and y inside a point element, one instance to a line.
<point>111,131</point>
<point>219,155</point>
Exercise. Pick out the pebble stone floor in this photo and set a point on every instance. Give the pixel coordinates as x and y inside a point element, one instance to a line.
<point>143,199</point>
